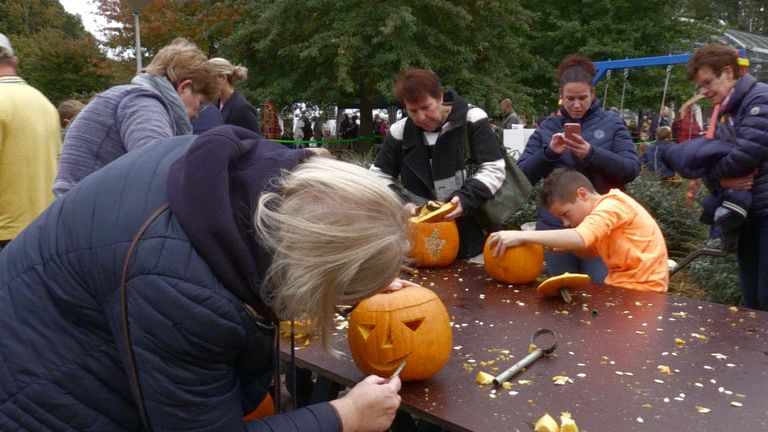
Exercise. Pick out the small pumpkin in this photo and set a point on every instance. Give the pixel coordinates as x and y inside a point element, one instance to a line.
<point>551,287</point>
<point>434,244</point>
<point>409,324</point>
<point>265,409</point>
<point>519,265</point>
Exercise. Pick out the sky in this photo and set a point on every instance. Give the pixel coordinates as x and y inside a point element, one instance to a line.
<point>87,10</point>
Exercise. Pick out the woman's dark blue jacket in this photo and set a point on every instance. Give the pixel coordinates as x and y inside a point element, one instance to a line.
<point>743,128</point>
<point>203,359</point>
<point>653,158</point>
<point>611,162</point>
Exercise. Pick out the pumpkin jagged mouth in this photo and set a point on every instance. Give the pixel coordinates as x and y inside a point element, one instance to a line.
<point>388,366</point>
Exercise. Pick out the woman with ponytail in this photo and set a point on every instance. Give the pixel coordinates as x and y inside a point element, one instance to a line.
<point>235,108</point>
<point>603,152</point>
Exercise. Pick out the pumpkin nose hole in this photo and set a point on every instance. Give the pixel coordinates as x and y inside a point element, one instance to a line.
<point>388,342</point>
<point>365,330</point>
<point>414,324</point>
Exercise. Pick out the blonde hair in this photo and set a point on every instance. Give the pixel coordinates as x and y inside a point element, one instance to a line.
<point>233,73</point>
<point>337,235</point>
<point>687,104</point>
<point>182,60</point>
<point>68,109</point>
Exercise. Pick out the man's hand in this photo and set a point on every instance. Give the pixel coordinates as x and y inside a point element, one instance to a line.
<point>457,211</point>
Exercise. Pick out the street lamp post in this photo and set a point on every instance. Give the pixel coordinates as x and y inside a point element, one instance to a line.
<point>136,6</point>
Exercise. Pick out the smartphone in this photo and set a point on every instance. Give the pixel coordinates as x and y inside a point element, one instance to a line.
<point>572,128</point>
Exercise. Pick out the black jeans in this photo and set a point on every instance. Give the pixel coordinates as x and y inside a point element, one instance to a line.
<point>752,255</point>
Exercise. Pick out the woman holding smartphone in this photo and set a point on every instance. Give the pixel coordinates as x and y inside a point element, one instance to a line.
<point>596,143</point>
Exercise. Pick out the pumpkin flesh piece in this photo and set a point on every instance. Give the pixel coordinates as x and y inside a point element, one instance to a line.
<point>550,287</point>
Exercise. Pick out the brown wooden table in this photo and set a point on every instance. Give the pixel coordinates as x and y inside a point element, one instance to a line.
<point>612,343</point>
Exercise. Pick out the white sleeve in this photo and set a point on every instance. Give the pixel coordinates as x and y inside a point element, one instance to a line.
<point>491,174</point>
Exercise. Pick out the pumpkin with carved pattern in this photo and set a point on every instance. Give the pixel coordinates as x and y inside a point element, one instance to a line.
<point>434,241</point>
<point>434,244</point>
<point>409,324</point>
<point>519,265</point>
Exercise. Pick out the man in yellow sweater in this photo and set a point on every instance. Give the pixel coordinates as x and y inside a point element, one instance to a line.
<point>29,145</point>
<point>613,225</point>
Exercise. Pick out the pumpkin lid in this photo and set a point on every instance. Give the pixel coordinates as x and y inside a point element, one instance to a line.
<point>550,287</point>
<point>433,211</point>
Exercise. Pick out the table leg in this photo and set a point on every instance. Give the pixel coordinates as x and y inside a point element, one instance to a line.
<point>325,390</point>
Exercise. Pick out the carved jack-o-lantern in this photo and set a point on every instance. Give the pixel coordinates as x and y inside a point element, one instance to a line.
<point>434,244</point>
<point>410,324</point>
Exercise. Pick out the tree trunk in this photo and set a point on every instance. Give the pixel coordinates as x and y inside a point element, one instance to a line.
<point>366,118</point>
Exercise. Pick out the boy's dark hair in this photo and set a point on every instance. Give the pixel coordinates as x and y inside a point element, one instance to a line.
<point>413,84</point>
<point>561,185</point>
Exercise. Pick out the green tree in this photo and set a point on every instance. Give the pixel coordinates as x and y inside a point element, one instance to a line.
<point>328,51</point>
<point>56,54</point>
<point>605,30</point>
<point>746,15</point>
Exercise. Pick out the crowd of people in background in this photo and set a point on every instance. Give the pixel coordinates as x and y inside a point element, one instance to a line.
<point>152,238</point>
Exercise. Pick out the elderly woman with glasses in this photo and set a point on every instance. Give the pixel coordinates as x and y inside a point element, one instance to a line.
<point>738,160</point>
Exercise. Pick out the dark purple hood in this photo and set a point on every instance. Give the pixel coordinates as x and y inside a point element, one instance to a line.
<point>213,190</point>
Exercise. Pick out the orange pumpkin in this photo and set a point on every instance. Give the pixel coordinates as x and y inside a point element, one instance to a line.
<point>519,265</point>
<point>409,324</point>
<point>434,244</point>
<point>265,409</point>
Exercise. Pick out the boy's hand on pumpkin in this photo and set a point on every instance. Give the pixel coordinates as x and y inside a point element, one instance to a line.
<point>501,240</point>
<point>370,406</point>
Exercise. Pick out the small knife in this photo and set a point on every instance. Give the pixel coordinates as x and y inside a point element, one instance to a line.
<point>397,371</point>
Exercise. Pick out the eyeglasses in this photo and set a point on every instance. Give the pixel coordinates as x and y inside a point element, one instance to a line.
<point>707,82</point>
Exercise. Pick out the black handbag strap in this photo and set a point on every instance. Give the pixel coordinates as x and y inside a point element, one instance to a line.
<point>133,373</point>
<point>132,369</point>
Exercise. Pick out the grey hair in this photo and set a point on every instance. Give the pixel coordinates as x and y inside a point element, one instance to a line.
<point>337,235</point>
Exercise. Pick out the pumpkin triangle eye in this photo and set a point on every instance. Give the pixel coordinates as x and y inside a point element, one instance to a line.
<point>414,324</point>
<point>366,329</point>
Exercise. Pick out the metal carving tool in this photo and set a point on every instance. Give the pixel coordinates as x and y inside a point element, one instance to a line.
<point>530,358</point>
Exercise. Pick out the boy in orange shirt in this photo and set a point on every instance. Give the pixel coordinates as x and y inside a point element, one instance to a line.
<point>614,225</point>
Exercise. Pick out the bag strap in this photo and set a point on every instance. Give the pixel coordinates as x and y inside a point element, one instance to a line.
<point>468,154</point>
<point>132,371</point>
